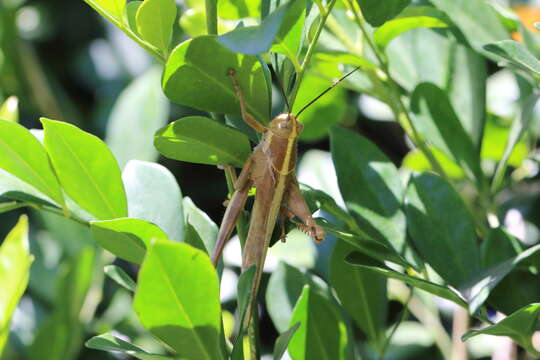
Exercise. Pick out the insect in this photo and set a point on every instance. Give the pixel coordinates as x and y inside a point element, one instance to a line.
<point>271,170</point>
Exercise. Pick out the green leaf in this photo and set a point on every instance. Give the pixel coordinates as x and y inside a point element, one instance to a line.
<point>206,229</point>
<point>516,54</point>
<point>499,246</point>
<point>140,110</point>
<point>519,126</point>
<point>9,110</point>
<point>15,261</point>
<point>177,299</point>
<point>113,8</point>
<point>245,297</point>
<point>202,140</point>
<point>255,40</point>
<point>23,156</point>
<point>235,9</point>
<point>442,229</point>
<point>358,259</point>
<point>322,333</point>
<point>417,161</point>
<point>196,75</point>
<point>519,326</point>
<point>377,208</point>
<point>10,205</point>
<point>86,168</point>
<point>155,20</point>
<point>322,115</point>
<point>437,122</point>
<point>154,195</point>
<point>478,30</point>
<point>378,12</point>
<point>131,14</point>
<point>477,290</point>
<point>283,341</point>
<point>362,294</point>
<point>289,39</point>
<point>108,342</point>
<point>126,238</point>
<point>119,276</point>
<point>496,134</point>
<point>394,28</point>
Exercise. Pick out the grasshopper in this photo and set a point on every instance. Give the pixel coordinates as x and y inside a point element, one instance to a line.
<point>271,170</point>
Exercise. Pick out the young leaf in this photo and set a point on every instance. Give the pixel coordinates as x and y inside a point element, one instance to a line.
<point>519,326</point>
<point>108,342</point>
<point>86,168</point>
<point>23,156</point>
<point>361,260</point>
<point>203,64</point>
<point>119,276</point>
<point>516,54</point>
<point>394,28</point>
<point>177,299</point>
<point>154,195</point>
<point>126,238</point>
<point>477,290</point>
<point>202,140</point>
<point>15,261</point>
<point>437,122</point>
<point>377,208</point>
<point>322,333</point>
<point>362,294</point>
<point>111,8</point>
<point>442,229</point>
<point>140,110</point>
<point>283,341</point>
<point>9,110</point>
<point>155,20</point>
<point>378,12</point>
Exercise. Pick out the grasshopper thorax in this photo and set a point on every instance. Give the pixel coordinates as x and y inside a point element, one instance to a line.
<point>285,125</point>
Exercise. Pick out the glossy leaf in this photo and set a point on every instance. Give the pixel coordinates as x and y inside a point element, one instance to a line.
<point>441,228</point>
<point>394,28</point>
<point>206,229</point>
<point>377,208</point>
<point>154,195</point>
<point>155,20</point>
<point>437,122</point>
<point>516,54</point>
<point>322,334</point>
<point>15,261</point>
<point>255,40</point>
<point>361,260</point>
<point>322,115</point>
<point>362,294</point>
<point>378,12</point>
<point>86,168</point>
<point>119,276</point>
<point>112,8</point>
<point>478,289</point>
<point>140,110</point>
<point>177,299</point>
<point>478,30</point>
<point>108,342</point>
<point>202,140</point>
<point>22,156</point>
<point>519,326</point>
<point>126,238</point>
<point>9,110</point>
<point>283,340</point>
<point>202,64</point>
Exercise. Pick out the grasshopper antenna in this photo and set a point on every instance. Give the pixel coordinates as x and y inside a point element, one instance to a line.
<point>327,90</point>
<point>281,89</point>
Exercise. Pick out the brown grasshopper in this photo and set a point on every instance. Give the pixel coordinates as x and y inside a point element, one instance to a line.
<point>271,170</point>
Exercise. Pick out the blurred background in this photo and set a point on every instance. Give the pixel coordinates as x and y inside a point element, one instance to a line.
<point>63,61</point>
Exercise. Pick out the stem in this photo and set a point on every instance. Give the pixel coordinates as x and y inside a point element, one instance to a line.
<point>60,212</point>
<point>310,50</point>
<point>402,317</point>
<point>460,325</point>
<point>211,17</point>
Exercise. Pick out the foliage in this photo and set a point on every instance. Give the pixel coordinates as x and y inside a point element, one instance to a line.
<point>433,227</point>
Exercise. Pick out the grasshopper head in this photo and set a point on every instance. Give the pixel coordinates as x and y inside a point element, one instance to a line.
<point>286,125</point>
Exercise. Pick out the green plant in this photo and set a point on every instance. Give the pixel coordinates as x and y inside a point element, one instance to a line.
<point>435,224</point>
